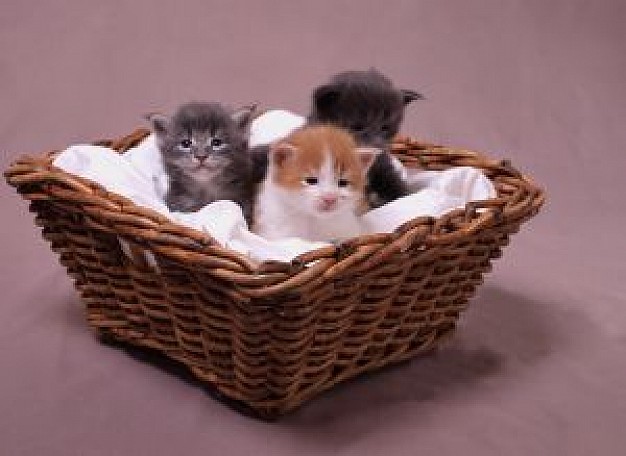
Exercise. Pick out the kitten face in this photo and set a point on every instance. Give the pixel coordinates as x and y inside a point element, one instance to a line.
<point>205,155</point>
<point>364,103</point>
<point>319,171</point>
<point>200,140</point>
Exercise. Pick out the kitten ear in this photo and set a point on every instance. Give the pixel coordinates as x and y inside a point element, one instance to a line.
<point>325,97</point>
<point>159,122</point>
<point>410,95</point>
<point>281,152</point>
<point>243,117</point>
<point>367,155</point>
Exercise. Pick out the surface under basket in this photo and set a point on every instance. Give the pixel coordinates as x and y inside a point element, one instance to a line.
<point>273,335</point>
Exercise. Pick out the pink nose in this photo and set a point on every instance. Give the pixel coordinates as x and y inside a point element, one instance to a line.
<point>329,199</point>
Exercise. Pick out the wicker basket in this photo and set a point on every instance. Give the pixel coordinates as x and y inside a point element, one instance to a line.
<point>273,335</point>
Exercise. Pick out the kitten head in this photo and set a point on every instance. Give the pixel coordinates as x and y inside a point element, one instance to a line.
<point>320,171</point>
<point>364,102</point>
<point>202,139</point>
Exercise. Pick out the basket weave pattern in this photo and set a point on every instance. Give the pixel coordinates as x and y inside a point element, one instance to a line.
<point>273,335</point>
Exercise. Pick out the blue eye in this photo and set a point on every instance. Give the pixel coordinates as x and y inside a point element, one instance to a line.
<point>343,182</point>
<point>311,180</point>
<point>185,144</point>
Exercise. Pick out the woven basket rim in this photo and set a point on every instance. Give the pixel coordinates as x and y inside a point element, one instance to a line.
<point>518,198</point>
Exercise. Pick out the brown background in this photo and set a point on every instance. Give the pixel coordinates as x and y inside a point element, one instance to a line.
<point>539,363</point>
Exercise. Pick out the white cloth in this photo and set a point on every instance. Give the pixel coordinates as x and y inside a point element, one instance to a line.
<point>440,192</point>
<point>273,125</point>
<point>138,175</point>
<point>146,158</point>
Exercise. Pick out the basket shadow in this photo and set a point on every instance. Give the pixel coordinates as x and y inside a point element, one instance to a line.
<point>500,333</point>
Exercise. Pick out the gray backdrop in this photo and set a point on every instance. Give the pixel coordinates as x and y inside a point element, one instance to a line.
<point>539,363</point>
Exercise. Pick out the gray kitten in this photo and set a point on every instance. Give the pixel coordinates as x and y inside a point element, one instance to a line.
<point>368,105</point>
<point>204,148</point>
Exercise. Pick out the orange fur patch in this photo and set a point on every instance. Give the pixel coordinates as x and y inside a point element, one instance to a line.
<point>309,148</point>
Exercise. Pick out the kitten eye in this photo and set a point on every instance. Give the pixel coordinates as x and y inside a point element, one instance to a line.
<point>185,144</point>
<point>311,180</point>
<point>358,127</point>
<point>217,143</point>
<point>386,128</point>
<point>343,182</point>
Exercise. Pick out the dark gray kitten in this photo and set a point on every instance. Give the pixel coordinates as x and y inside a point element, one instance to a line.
<point>204,148</point>
<point>368,105</point>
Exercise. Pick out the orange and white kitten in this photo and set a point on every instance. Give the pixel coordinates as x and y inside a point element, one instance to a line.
<point>315,186</point>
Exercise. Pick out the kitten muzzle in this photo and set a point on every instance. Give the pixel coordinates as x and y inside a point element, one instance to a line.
<point>327,203</point>
<point>205,162</point>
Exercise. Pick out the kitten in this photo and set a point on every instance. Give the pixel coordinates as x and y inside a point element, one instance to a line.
<point>314,188</point>
<point>205,155</point>
<point>368,105</point>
